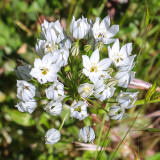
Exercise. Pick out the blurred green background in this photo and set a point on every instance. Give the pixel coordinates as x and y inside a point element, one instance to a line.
<point>21,134</point>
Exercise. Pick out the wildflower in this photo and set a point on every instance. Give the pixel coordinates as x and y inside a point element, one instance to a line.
<point>103,91</point>
<point>86,90</point>
<point>54,108</point>
<point>94,68</point>
<point>55,90</point>
<point>44,71</point>
<point>66,42</point>
<point>79,110</point>
<point>79,28</point>
<point>43,47</point>
<point>102,32</point>
<point>28,106</point>
<point>52,136</point>
<point>116,112</point>
<point>25,90</point>
<point>64,53</point>
<point>118,55</point>
<point>124,78</point>
<point>22,71</point>
<point>86,134</point>
<point>52,32</point>
<point>127,99</point>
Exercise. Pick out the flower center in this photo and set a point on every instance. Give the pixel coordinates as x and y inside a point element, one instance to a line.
<point>86,89</point>
<point>100,35</point>
<point>44,70</point>
<point>78,109</point>
<point>50,48</point>
<point>94,69</point>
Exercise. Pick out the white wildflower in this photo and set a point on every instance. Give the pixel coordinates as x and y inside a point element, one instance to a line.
<point>124,78</point>
<point>118,55</point>
<point>102,32</point>
<point>127,99</point>
<point>55,90</point>
<point>44,71</point>
<point>79,110</point>
<point>103,91</point>
<point>43,47</point>
<point>116,112</point>
<point>25,91</point>
<point>54,108</point>
<point>52,32</point>
<point>52,136</point>
<point>28,106</point>
<point>79,28</point>
<point>86,134</point>
<point>86,90</point>
<point>94,68</point>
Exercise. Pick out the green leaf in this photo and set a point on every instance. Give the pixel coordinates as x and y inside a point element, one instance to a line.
<point>154,157</point>
<point>151,92</point>
<point>147,17</point>
<point>152,130</point>
<point>23,119</point>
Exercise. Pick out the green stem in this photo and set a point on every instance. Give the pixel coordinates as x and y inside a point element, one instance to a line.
<point>141,102</point>
<point>127,133</point>
<point>63,121</point>
<point>100,135</point>
<point>105,142</point>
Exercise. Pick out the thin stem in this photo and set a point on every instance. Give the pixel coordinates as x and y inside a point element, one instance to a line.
<point>63,121</point>
<point>100,135</point>
<point>105,142</point>
<point>127,133</point>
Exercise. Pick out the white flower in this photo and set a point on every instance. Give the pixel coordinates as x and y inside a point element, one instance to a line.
<point>55,91</point>
<point>103,91</point>
<point>79,28</point>
<point>43,47</point>
<point>116,112</point>
<point>52,136</point>
<point>22,71</point>
<point>79,110</point>
<point>103,32</point>
<point>86,134</point>
<point>86,90</point>
<point>52,32</point>
<point>126,99</point>
<point>94,68</point>
<point>44,71</point>
<point>128,64</point>
<point>124,78</point>
<point>25,90</point>
<point>54,108</point>
<point>64,54</point>
<point>118,55</point>
<point>66,41</point>
<point>28,106</point>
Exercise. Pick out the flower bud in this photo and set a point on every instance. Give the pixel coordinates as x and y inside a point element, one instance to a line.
<point>55,91</point>
<point>52,32</point>
<point>99,46</point>
<point>75,49</point>
<point>86,134</point>
<point>28,106</point>
<point>127,99</point>
<point>54,108</point>
<point>52,136</point>
<point>79,28</point>
<point>111,82</point>
<point>25,90</point>
<point>22,71</point>
<point>116,112</point>
<point>124,78</point>
<point>79,110</point>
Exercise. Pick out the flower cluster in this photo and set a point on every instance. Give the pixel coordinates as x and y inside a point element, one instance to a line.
<point>68,76</point>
